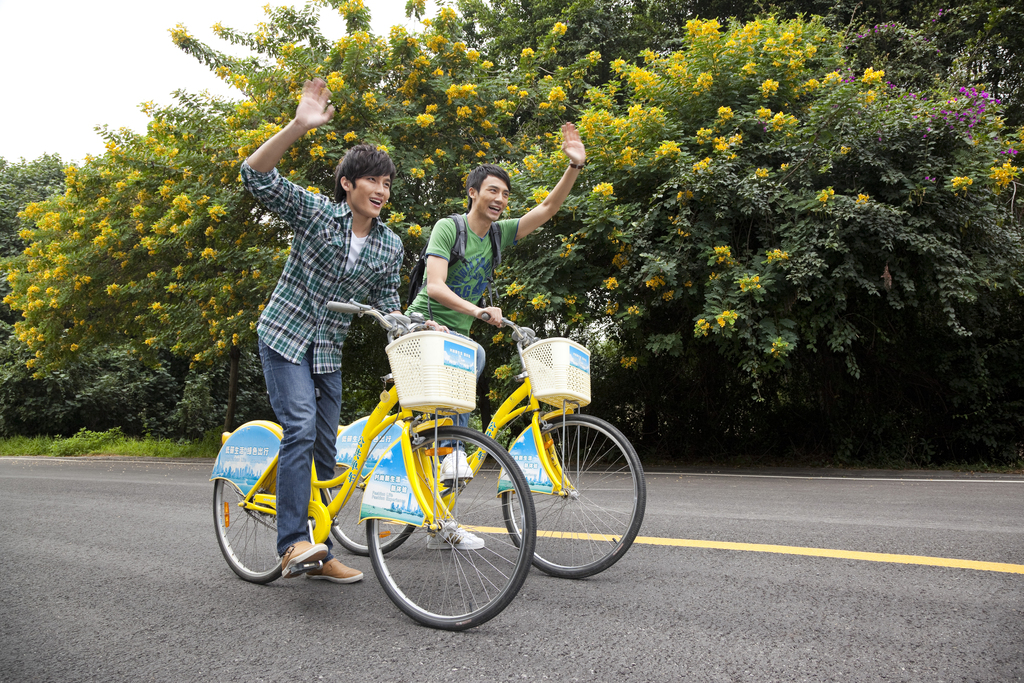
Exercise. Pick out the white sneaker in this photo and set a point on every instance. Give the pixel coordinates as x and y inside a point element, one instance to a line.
<point>456,466</point>
<point>454,538</point>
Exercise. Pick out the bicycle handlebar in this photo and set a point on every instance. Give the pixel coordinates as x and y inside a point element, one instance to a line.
<point>523,335</point>
<point>396,324</point>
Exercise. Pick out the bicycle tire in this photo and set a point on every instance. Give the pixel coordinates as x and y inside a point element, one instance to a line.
<point>247,538</point>
<point>459,589</point>
<point>588,531</point>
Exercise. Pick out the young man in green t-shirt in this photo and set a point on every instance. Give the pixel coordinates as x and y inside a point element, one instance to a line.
<point>454,293</point>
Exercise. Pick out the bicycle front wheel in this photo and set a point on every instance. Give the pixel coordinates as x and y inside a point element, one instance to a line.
<point>458,585</point>
<point>591,526</point>
<point>247,538</point>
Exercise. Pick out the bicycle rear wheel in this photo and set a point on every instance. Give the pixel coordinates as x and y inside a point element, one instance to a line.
<point>247,538</point>
<point>456,589</point>
<point>589,529</point>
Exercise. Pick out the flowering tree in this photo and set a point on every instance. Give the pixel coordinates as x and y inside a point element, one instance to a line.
<point>753,194</point>
<point>156,244</point>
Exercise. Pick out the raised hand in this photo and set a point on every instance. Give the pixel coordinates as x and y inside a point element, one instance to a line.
<point>572,145</point>
<point>314,108</point>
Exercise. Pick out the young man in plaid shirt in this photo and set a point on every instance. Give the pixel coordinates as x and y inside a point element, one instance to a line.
<point>341,250</point>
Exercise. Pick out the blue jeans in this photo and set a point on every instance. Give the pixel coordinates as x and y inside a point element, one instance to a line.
<point>310,425</point>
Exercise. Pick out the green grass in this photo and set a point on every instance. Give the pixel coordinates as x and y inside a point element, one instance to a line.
<point>112,442</point>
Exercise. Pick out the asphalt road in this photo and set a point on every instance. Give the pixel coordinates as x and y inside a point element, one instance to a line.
<point>111,572</point>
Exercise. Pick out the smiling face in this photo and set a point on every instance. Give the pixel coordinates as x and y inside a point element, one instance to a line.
<point>366,197</point>
<point>490,200</point>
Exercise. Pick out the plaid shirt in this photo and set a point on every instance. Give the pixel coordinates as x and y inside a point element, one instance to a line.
<point>314,274</point>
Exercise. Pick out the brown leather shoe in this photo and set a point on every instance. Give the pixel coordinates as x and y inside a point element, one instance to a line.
<point>302,552</point>
<point>335,571</point>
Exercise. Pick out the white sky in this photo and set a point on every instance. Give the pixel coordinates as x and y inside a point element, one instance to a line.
<point>66,67</point>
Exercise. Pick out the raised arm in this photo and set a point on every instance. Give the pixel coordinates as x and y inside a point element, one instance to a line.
<point>314,110</point>
<point>540,214</point>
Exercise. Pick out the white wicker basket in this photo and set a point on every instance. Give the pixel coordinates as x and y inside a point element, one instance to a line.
<point>559,371</point>
<point>434,371</point>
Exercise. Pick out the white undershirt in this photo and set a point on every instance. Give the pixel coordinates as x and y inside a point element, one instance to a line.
<point>354,249</point>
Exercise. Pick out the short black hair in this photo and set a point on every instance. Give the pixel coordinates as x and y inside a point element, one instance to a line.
<point>359,162</point>
<point>479,174</point>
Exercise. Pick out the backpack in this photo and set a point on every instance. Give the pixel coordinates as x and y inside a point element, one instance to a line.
<point>419,269</point>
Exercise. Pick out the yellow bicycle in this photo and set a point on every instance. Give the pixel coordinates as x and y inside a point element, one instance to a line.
<point>414,521</point>
<point>585,478</point>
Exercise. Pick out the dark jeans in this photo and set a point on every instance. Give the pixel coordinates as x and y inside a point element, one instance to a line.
<point>310,427</point>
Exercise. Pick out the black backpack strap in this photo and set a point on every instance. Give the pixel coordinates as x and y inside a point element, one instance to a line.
<point>495,245</point>
<point>459,248</point>
<point>495,233</point>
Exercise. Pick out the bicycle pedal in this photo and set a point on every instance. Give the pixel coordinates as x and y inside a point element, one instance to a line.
<point>301,568</point>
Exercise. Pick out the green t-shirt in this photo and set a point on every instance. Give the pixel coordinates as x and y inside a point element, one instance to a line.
<point>468,277</point>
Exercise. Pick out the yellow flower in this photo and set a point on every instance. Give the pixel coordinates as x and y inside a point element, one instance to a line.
<point>527,53</point>
<point>540,195</point>
<point>350,136</point>
<point>725,113</point>
<point>611,283</point>
<point>704,83</point>
<point>701,328</point>
<point>761,173</point>
<point>723,254</point>
<point>424,120</point>
<point>764,113</point>
<point>703,165</point>
<point>862,198</point>
<point>628,361</point>
<point>769,88</point>
<point>727,318</point>
<point>559,29</point>
<point>541,301</point>
<point>556,94</point>
<point>655,282</point>
<point>844,150</point>
<point>962,183</point>
<point>872,76</point>
<point>604,189</point>
<point>1004,175</point>
<point>751,283</point>
<point>825,195</point>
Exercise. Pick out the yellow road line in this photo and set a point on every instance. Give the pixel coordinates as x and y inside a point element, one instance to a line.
<point>789,550</point>
<point>838,554</point>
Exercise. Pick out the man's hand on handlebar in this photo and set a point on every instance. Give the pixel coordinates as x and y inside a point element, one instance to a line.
<point>491,315</point>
